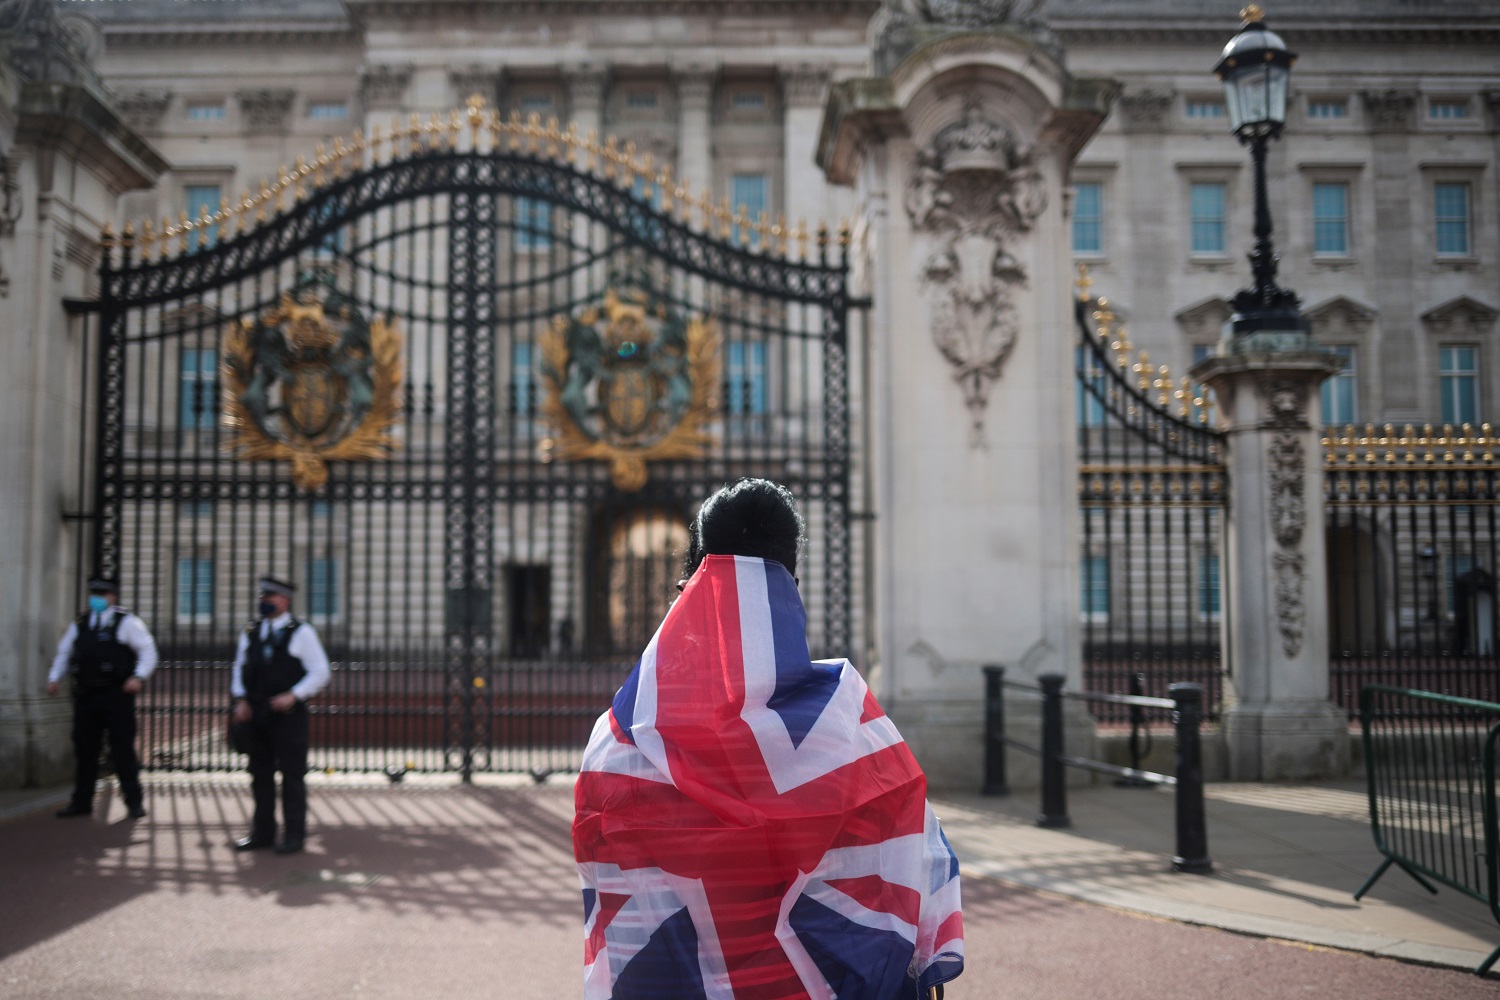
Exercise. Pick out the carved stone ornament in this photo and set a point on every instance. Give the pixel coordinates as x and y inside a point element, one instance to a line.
<point>383,88</point>
<point>1287,464</point>
<point>1390,110</point>
<point>629,383</point>
<point>266,110</point>
<point>312,382</point>
<point>969,13</point>
<point>1145,110</point>
<point>975,190</point>
<point>142,109</point>
<point>46,45</point>
<point>473,80</point>
<point>899,27</point>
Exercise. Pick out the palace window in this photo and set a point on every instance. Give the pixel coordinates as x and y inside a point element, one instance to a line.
<point>1340,392</point>
<point>322,587</point>
<point>1088,218</point>
<point>1458,378</point>
<point>1328,108</point>
<point>745,385</point>
<point>202,199</point>
<point>1094,573</point>
<point>1206,205</point>
<point>1447,109</point>
<point>1209,592</point>
<point>1450,211</point>
<point>1330,219</point>
<point>195,589</point>
<point>1205,108</point>
<point>198,388</point>
<point>205,111</point>
<point>328,110</point>
<point>1093,387</point>
<point>533,224</point>
<point>747,194</point>
<point>522,379</point>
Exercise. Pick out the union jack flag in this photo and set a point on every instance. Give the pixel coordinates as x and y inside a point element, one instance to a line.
<point>750,825</point>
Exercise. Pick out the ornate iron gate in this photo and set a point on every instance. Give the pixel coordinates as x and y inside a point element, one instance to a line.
<point>465,383</point>
<point>1151,492</point>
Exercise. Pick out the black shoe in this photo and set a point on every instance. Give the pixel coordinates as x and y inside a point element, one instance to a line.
<point>136,812</point>
<point>73,809</point>
<point>289,847</point>
<point>252,843</point>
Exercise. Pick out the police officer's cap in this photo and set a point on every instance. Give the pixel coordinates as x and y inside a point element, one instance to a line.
<point>103,585</point>
<point>271,585</point>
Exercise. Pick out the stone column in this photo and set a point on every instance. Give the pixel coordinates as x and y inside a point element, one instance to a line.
<point>585,83</point>
<point>969,141</point>
<point>804,189</point>
<point>1390,115</point>
<point>68,159</point>
<point>695,88</point>
<point>1278,722</point>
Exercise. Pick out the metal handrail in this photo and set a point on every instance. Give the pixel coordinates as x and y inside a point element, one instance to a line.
<point>1187,715</point>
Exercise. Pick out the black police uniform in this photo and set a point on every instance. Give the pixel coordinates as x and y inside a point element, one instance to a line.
<point>101,666</point>
<point>278,740</point>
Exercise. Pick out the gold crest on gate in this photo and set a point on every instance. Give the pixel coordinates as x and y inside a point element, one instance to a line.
<point>630,382</point>
<point>312,382</point>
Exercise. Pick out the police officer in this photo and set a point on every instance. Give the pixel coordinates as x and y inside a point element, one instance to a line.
<point>278,666</point>
<point>111,653</point>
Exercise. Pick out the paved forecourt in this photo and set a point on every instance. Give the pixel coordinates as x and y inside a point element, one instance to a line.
<point>428,889</point>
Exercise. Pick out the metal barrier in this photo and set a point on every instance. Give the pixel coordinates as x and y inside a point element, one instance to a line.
<point>1430,759</point>
<point>1186,706</point>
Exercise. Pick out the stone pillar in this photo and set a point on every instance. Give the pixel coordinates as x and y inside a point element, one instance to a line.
<point>695,88</point>
<point>969,140</point>
<point>1390,114</point>
<point>67,158</point>
<point>585,83</point>
<point>804,190</point>
<point>1278,722</point>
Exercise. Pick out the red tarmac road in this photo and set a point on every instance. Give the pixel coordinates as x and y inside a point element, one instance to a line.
<point>437,892</point>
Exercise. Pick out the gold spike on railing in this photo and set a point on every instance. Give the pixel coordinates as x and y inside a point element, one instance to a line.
<point>571,141</point>
<point>741,223</point>
<point>148,241</point>
<point>1084,282</point>
<point>779,234</point>
<point>664,185</point>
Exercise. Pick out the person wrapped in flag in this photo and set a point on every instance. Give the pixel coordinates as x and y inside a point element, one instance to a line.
<point>750,825</point>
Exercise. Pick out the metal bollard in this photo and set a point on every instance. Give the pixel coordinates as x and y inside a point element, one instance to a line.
<point>995,778</point>
<point>1192,824</point>
<point>1137,730</point>
<point>1054,778</point>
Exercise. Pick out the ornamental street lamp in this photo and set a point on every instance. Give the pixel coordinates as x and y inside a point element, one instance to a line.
<point>1254,69</point>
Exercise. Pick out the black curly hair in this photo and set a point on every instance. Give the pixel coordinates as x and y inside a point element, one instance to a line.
<point>753,517</point>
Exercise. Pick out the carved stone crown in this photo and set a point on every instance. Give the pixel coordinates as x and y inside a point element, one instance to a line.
<point>976,143</point>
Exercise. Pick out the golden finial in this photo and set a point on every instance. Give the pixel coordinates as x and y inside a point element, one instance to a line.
<point>611,157</point>
<point>533,132</point>
<point>436,130</point>
<point>664,185</point>
<point>1184,396</point>
<point>377,139</point>
<point>591,148</point>
<point>1084,282</point>
<point>779,233</point>
<point>741,228</point>
<point>340,151</point>
<point>724,215</point>
<point>648,178</point>
<point>148,240</point>
<point>474,110</point>
<point>1252,14</point>
<point>554,138</point>
<point>570,143</point>
<point>822,235</point>
<point>844,234</point>
<point>799,238</point>
<point>107,236</point>
<point>455,128</point>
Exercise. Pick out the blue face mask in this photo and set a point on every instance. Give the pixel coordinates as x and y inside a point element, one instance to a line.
<point>98,605</point>
<point>267,609</point>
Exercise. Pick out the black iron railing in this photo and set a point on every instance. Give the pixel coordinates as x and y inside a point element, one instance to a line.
<point>1186,706</point>
<point>1430,761</point>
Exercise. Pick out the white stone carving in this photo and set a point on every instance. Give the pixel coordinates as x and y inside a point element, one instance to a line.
<point>974,192</point>
<point>1287,463</point>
